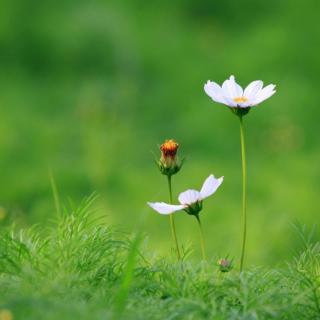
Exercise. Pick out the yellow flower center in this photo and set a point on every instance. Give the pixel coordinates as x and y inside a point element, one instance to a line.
<point>240,99</point>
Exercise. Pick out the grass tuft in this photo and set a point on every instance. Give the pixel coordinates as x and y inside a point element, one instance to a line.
<point>81,268</point>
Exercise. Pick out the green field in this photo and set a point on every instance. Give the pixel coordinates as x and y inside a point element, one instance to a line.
<point>80,268</point>
<point>90,89</point>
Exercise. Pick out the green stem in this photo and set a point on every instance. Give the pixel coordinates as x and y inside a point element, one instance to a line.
<point>203,249</point>
<point>172,224</point>
<point>244,192</point>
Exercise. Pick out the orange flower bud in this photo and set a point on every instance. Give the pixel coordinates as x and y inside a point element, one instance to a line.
<point>168,163</point>
<point>169,149</point>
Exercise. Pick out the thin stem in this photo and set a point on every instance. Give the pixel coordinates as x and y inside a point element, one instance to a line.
<point>203,249</point>
<point>244,192</point>
<point>172,224</point>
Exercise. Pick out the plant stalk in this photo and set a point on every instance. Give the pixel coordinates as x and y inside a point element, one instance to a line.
<point>203,248</point>
<point>244,192</point>
<point>172,223</point>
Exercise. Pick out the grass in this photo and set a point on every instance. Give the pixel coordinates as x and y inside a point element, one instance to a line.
<point>81,268</point>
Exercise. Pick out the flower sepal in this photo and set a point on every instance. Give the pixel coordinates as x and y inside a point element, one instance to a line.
<point>169,167</point>
<point>240,112</point>
<point>194,209</point>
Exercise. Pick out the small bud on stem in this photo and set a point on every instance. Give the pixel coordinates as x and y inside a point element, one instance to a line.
<point>169,163</point>
<point>225,265</point>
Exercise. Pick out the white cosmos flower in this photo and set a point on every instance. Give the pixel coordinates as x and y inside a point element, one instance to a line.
<point>232,94</point>
<point>190,197</point>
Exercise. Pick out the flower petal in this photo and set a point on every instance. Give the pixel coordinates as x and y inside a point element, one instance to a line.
<point>252,89</point>
<point>214,91</point>
<point>245,104</point>
<point>188,197</point>
<point>210,186</point>
<point>165,208</point>
<point>264,94</point>
<point>231,89</point>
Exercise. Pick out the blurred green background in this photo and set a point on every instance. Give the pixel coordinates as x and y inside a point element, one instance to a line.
<point>91,88</point>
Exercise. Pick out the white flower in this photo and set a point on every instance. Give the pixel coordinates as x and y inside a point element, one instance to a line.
<point>190,199</point>
<point>232,94</point>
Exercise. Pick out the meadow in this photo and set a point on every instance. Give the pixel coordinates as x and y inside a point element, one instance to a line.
<point>88,92</point>
<point>81,268</point>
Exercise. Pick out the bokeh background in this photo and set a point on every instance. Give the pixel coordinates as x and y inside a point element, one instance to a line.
<point>91,88</point>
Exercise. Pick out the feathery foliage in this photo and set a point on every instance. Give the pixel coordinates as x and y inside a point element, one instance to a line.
<point>80,268</point>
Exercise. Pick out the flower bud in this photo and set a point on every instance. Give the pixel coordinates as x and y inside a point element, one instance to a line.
<point>169,163</point>
<point>225,265</point>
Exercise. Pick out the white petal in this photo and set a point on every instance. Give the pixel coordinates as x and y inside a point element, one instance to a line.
<point>210,186</point>
<point>244,104</point>
<point>165,208</point>
<point>189,196</point>
<point>252,89</point>
<point>231,89</point>
<point>214,91</point>
<point>264,94</point>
